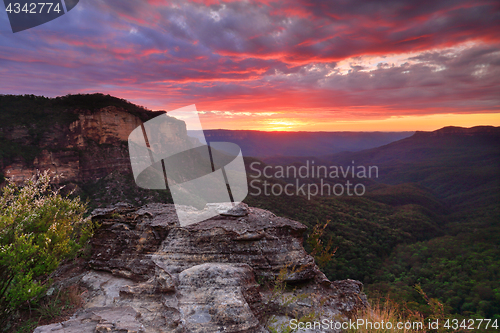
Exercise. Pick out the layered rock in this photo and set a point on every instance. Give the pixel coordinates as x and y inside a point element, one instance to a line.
<point>213,276</point>
<point>106,126</point>
<point>87,149</point>
<point>65,164</point>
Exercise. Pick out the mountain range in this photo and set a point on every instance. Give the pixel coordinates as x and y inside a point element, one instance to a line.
<point>262,144</point>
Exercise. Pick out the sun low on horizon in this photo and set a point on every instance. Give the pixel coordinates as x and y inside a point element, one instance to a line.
<point>390,124</point>
<point>300,65</point>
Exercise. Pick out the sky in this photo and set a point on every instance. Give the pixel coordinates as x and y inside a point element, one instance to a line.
<point>297,65</point>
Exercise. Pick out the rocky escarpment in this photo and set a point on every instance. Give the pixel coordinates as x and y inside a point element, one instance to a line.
<point>148,274</point>
<point>82,147</point>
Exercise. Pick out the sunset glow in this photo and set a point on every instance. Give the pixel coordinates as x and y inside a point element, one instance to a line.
<point>391,124</point>
<point>302,65</point>
<point>281,125</point>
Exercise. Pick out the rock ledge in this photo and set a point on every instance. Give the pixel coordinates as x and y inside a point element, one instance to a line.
<point>148,274</point>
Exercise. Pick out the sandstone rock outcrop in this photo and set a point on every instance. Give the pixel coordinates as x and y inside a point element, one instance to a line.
<point>148,274</point>
<point>87,149</point>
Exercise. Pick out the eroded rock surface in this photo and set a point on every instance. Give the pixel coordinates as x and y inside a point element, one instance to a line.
<point>148,274</point>
<point>87,149</point>
<point>215,295</point>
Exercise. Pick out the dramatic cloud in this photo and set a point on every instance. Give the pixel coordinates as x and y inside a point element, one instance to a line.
<point>330,59</point>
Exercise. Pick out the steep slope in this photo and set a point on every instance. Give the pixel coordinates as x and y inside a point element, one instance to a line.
<point>450,176</point>
<point>81,138</point>
<point>365,229</point>
<point>460,164</point>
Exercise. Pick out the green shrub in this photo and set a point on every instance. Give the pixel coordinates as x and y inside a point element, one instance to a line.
<point>38,228</point>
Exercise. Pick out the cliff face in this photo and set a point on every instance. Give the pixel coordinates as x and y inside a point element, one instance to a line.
<point>107,126</point>
<point>148,274</point>
<point>83,151</point>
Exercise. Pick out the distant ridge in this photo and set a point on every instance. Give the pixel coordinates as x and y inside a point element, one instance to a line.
<point>267,144</point>
<point>462,131</point>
